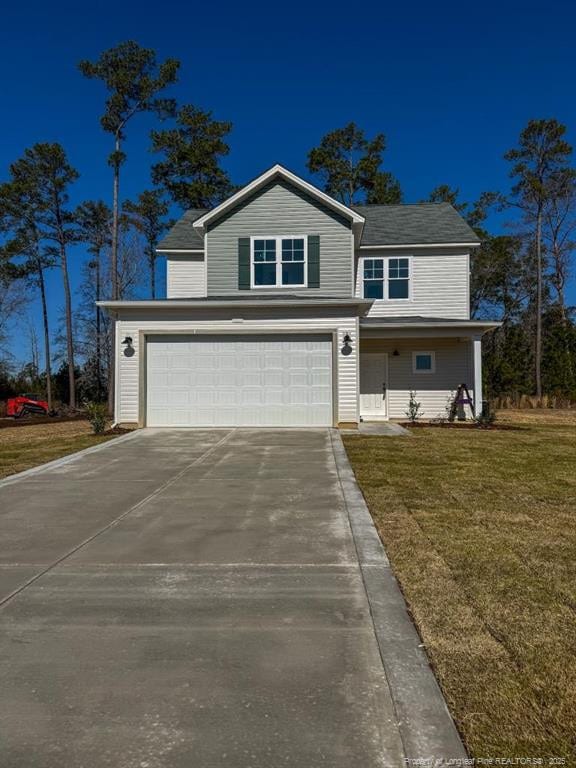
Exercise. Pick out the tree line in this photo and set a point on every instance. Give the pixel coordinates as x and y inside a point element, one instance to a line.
<point>519,277</point>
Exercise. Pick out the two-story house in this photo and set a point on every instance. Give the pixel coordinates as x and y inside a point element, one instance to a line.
<point>287,308</point>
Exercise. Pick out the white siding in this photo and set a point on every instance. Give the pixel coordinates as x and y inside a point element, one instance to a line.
<point>132,322</point>
<point>186,276</point>
<point>439,285</point>
<point>433,390</point>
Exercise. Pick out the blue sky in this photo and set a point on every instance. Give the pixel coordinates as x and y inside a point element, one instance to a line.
<point>451,85</point>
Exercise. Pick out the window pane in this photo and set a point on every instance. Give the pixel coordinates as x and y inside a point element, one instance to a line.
<point>374,268</point>
<point>373,289</point>
<point>423,362</point>
<point>265,274</point>
<point>292,274</point>
<point>293,250</point>
<point>403,268</point>
<point>264,250</point>
<point>398,289</point>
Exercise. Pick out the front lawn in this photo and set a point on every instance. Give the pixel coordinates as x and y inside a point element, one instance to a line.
<point>480,528</point>
<point>25,447</point>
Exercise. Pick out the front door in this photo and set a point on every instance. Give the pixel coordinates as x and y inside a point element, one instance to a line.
<point>373,386</point>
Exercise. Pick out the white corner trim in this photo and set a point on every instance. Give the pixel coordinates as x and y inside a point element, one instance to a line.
<point>278,170</point>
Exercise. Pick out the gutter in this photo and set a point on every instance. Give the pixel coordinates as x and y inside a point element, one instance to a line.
<point>199,304</point>
<point>397,246</point>
<point>488,325</point>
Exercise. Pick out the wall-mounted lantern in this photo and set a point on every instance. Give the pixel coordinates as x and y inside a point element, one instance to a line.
<point>347,348</point>
<point>395,353</point>
<point>128,348</point>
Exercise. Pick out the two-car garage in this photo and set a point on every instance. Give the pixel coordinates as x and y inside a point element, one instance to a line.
<point>243,380</point>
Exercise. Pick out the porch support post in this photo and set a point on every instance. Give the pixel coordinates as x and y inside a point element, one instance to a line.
<point>477,355</point>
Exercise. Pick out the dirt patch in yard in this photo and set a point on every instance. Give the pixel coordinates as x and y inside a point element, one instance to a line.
<point>29,421</point>
<point>457,425</point>
<point>480,528</point>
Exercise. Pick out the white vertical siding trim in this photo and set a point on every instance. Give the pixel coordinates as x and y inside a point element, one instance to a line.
<point>433,390</point>
<point>186,276</point>
<point>128,381</point>
<point>116,337</point>
<point>439,285</point>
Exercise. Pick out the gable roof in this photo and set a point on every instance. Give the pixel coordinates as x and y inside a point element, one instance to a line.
<point>279,172</point>
<point>183,236</point>
<point>419,224</point>
<point>373,225</point>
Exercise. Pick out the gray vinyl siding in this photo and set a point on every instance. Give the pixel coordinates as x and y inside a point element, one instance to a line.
<point>185,276</point>
<point>280,209</point>
<point>433,390</point>
<point>439,286</point>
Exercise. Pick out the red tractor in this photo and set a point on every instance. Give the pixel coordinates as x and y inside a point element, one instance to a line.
<point>25,405</point>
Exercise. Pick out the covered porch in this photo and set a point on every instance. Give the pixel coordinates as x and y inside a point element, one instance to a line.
<point>428,356</point>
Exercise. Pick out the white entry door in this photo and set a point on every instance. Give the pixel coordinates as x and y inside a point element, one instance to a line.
<point>374,385</point>
<point>239,381</point>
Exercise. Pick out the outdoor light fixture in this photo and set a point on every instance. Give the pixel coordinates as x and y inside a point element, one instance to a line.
<point>128,348</point>
<point>347,348</point>
<point>396,353</point>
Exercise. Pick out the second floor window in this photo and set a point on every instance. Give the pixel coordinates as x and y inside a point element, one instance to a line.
<point>279,261</point>
<point>386,278</point>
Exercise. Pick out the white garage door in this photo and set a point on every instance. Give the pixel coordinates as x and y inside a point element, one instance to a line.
<point>244,381</point>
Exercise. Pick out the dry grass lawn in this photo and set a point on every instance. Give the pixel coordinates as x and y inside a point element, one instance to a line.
<point>480,528</point>
<point>25,447</point>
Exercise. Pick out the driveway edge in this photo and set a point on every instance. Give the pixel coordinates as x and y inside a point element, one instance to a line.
<point>66,459</point>
<point>426,726</point>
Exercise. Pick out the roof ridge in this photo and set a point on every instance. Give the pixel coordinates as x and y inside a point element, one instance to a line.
<point>399,205</point>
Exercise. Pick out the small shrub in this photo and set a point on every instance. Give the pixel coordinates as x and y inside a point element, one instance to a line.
<point>97,414</point>
<point>414,411</point>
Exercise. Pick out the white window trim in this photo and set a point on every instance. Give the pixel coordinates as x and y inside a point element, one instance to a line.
<point>278,283</point>
<point>432,360</point>
<point>386,279</point>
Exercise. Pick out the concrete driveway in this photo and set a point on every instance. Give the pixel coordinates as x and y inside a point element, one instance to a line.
<point>189,599</point>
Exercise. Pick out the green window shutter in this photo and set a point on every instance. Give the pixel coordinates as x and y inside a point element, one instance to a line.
<point>313,261</point>
<point>244,263</point>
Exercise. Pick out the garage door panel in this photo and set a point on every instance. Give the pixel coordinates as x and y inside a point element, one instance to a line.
<point>239,381</point>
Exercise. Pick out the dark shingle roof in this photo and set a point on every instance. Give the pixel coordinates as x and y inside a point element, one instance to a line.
<point>183,235</point>
<point>425,223</point>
